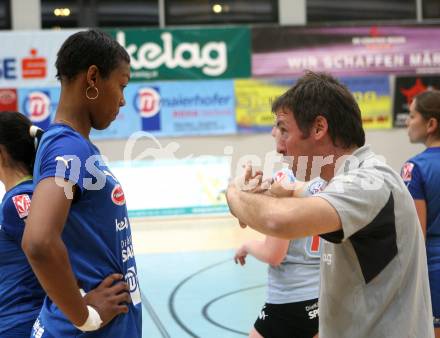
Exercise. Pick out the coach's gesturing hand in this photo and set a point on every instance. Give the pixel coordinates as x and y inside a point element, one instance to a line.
<point>109,298</point>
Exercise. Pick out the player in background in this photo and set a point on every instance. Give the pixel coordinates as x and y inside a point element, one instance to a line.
<point>21,296</point>
<point>291,308</point>
<point>78,238</point>
<point>422,177</point>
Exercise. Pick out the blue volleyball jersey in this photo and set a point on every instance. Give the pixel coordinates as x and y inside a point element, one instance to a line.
<point>21,296</point>
<point>97,231</point>
<point>422,177</point>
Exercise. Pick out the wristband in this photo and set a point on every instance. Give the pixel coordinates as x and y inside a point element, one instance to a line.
<point>93,321</point>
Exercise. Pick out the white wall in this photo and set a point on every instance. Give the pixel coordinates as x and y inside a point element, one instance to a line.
<point>26,14</point>
<point>392,144</point>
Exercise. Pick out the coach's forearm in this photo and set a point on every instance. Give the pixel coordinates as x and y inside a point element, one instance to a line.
<point>268,215</point>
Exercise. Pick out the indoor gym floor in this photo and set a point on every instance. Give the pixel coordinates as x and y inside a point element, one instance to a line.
<point>190,285</point>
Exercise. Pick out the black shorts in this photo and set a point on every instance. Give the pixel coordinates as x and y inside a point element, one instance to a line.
<point>292,320</point>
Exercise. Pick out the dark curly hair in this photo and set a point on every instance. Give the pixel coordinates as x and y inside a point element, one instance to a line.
<point>17,140</point>
<point>84,49</point>
<point>320,94</point>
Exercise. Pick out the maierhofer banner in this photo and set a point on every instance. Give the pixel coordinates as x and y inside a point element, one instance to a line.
<point>27,59</point>
<point>175,108</point>
<point>405,89</point>
<point>193,53</point>
<point>281,51</point>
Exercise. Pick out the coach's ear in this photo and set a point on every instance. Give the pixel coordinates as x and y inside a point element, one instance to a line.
<point>432,126</point>
<point>320,127</point>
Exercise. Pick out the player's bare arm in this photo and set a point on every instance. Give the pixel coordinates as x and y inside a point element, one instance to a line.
<point>47,254</point>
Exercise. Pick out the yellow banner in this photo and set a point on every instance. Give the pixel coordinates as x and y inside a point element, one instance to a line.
<point>375,109</point>
<point>254,100</point>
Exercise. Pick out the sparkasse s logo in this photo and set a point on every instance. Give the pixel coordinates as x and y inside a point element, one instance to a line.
<point>34,67</point>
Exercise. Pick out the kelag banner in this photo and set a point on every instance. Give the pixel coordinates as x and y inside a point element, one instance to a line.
<point>175,109</point>
<point>405,88</point>
<point>280,51</point>
<point>210,53</point>
<point>254,99</point>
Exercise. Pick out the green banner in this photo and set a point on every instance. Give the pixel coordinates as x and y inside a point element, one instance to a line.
<point>166,54</point>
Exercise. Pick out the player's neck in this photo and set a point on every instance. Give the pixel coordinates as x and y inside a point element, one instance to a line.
<point>72,112</point>
<point>74,118</point>
<point>329,171</point>
<point>430,142</point>
<point>13,177</point>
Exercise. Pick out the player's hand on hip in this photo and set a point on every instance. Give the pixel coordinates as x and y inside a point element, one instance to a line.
<point>110,298</point>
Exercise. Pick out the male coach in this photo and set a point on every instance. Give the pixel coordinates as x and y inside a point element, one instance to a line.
<point>374,281</point>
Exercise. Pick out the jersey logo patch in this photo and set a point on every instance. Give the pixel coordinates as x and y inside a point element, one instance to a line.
<point>317,187</point>
<point>22,204</point>
<point>285,174</point>
<point>118,196</point>
<point>407,171</point>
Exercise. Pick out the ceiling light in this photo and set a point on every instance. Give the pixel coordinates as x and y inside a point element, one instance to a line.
<point>217,8</point>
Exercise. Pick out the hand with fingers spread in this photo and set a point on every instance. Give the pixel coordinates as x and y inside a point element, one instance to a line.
<point>250,181</point>
<point>240,256</point>
<point>110,298</point>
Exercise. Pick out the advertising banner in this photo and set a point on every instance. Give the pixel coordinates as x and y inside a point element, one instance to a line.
<point>205,177</point>
<point>8,99</point>
<point>372,93</point>
<point>405,88</point>
<point>191,53</point>
<point>254,101</point>
<point>27,59</point>
<point>175,109</point>
<point>39,104</point>
<point>282,51</point>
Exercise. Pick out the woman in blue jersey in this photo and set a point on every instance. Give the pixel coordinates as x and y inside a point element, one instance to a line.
<point>21,296</point>
<point>422,176</point>
<point>78,237</point>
